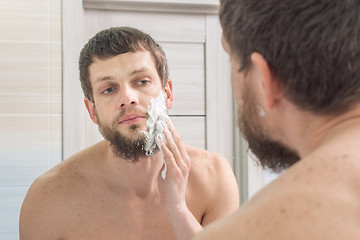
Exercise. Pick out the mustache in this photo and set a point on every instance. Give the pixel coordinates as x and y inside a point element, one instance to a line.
<point>126,111</point>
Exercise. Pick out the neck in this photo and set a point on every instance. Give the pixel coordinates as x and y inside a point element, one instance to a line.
<point>138,178</point>
<point>308,132</point>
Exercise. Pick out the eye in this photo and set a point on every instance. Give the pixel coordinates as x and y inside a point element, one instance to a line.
<point>108,90</point>
<point>143,82</point>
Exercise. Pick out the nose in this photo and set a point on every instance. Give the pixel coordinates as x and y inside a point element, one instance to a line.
<point>128,97</point>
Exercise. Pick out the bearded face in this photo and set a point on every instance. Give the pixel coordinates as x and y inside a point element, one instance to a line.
<point>129,147</point>
<point>270,153</point>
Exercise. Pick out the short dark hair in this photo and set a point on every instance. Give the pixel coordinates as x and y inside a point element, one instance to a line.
<point>114,41</point>
<point>312,46</point>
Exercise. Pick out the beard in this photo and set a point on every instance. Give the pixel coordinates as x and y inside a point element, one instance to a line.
<point>123,146</point>
<point>269,152</point>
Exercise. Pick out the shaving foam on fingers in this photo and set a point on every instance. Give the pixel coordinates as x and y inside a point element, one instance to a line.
<point>157,112</point>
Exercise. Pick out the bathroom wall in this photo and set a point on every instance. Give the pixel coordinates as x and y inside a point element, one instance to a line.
<point>40,125</point>
<point>30,100</point>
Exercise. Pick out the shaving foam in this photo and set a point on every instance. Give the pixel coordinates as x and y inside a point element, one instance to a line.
<point>260,111</point>
<point>157,112</point>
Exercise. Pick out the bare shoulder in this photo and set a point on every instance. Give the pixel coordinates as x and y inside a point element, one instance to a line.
<point>314,199</point>
<point>49,198</point>
<point>42,203</point>
<point>209,168</point>
<point>211,179</point>
<point>207,163</point>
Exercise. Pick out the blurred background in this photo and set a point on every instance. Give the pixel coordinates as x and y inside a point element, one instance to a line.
<point>42,116</point>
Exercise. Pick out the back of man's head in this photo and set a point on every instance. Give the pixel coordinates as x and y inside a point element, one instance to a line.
<point>114,41</point>
<point>312,47</point>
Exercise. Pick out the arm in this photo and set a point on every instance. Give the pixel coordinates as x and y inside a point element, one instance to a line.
<point>173,187</point>
<point>218,183</point>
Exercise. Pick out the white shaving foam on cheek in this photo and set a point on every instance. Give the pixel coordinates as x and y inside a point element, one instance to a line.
<point>260,110</point>
<point>157,112</point>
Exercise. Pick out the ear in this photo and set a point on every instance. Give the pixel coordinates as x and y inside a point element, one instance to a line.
<point>270,85</point>
<point>90,106</point>
<point>169,93</point>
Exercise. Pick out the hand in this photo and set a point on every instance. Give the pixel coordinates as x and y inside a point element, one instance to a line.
<point>173,187</point>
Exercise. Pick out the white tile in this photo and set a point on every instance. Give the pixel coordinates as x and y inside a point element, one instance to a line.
<point>24,86</point>
<point>33,7</point>
<point>30,101</point>
<point>55,140</point>
<point>23,28</point>
<point>21,176</point>
<point>55,28</point>
<point>25,132</point>
<point>29,145</point>
<point>55,7</point>
<point>24,103</point>
<point>55,91</point>
<point>21,60</point>
<point>55,55</point>
<point>10,204</point>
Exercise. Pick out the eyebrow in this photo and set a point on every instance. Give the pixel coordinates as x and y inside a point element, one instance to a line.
<point>106,78</point>
<point>135,72</point>
<point>140,70</point>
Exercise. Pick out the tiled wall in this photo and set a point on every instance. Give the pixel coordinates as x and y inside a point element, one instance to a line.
<point>30,100</point>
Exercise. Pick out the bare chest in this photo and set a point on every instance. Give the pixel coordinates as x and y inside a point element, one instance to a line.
<point>153,227</point>
<point>125,220</point>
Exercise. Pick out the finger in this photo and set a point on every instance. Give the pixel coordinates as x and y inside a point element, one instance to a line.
<point>174,149</point>
<point>168,156</point>
<point>163,170</point>
<point>178,141</point>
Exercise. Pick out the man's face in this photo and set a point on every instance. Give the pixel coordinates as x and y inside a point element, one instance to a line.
<point>252,122</point>
<point>122,88</point>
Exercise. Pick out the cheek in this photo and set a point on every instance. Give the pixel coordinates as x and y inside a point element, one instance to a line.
<point>102,115</point>
<point>145,101</point>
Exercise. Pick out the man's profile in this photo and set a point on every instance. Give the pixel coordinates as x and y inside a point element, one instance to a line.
<point>296,79</point>
<point>114,189</point>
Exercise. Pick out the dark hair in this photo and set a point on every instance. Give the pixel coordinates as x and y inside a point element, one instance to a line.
<point>312,46</point>
<point>114,41</point>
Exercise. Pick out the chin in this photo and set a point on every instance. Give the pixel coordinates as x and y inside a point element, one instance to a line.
<point>133,131</point>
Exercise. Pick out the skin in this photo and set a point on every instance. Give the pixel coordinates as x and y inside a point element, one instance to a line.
<point>316,198</point>
<point>95,195</point>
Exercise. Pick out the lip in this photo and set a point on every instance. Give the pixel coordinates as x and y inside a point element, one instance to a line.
<point>131,118</point>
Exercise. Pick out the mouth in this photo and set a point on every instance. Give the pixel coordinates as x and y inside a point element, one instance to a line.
<point>131,119</point>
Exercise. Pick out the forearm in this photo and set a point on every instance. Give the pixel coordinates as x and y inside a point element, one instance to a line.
<point>173,187</point>
<point>184,224</point>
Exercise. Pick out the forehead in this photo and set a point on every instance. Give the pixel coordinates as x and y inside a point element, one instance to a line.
<point>122,65</point>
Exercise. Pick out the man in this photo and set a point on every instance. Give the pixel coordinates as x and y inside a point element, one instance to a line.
<point>113,190</point>
<point>296,79</point>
